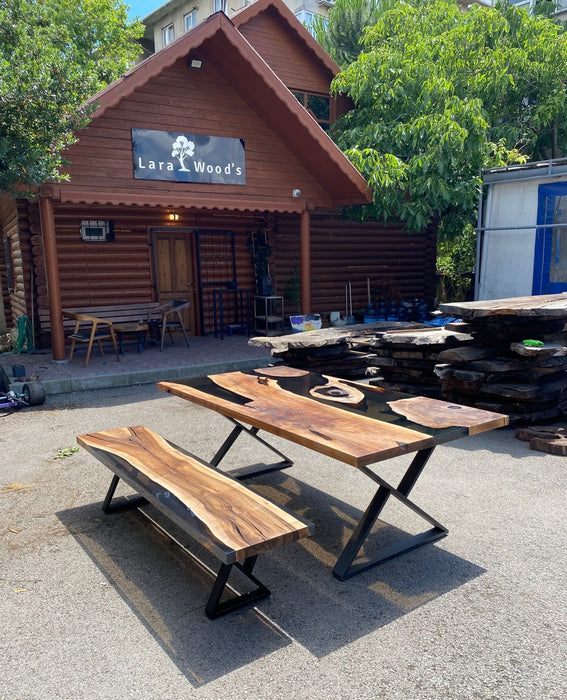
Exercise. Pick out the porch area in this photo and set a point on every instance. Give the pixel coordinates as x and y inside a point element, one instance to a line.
<point>206,355</point>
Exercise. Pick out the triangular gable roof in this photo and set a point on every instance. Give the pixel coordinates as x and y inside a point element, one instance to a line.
<point>266,94</point>
<point>244,15</point>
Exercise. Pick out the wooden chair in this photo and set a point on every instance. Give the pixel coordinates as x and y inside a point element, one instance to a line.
<point>170,313</point>
<point>95,334</point>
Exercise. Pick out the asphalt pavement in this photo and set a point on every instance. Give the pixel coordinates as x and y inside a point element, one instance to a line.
<point>95,606</point>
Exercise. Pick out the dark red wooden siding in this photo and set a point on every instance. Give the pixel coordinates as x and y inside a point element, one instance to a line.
<point>180,100</point>
<point>286,55</point>
<point>343,250</point>
<point>290,59</point>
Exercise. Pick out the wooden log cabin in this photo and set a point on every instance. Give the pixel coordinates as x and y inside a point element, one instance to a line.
<point>245,104</point>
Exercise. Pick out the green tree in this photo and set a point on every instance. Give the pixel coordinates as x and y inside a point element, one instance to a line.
<point>54,55</point>
<point>341,32</point>
<point>545,8</point>
<point>440,94</point>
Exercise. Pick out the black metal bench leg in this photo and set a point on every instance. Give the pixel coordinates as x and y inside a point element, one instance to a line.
<point>215,608</point>
<point>125,504</point>
<point>344,567</point>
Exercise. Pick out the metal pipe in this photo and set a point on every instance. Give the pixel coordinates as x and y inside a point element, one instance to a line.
<point>478,242</point>
<point>305,260</point>
<point>518,228</point>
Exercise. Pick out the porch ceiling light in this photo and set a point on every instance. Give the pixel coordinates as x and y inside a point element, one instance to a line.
<point>196,63</point>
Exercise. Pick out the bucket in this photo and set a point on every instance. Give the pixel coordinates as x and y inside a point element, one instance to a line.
<point>310,322</point>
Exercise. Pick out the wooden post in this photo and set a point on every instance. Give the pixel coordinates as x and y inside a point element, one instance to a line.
<point>52,274</point>
<point>305,261</point>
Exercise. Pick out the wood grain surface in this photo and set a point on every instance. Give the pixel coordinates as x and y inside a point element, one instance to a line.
<point>340,392</point>
<point>281,371</point>
<point>234,516</point>
<point>348,437</point>
<point>540,306</point>
<point>442,414</point>
<point>551,439</point>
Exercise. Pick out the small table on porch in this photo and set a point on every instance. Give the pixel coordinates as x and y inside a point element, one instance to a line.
<point>354,423</point>
<point>140,328</point>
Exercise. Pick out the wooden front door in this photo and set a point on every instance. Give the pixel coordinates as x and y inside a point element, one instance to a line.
<point>175,270</point>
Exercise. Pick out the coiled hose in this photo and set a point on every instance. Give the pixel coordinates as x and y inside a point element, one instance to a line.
<point>25,342</point>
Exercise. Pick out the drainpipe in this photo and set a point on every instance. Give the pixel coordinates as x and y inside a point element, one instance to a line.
<point>52,274</point>
<point>305,260</point>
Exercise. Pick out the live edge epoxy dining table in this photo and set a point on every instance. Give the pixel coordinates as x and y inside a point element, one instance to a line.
<point>355,423</point>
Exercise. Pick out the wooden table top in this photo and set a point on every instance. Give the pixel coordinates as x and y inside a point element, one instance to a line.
<point>131,327</point>
<point>355,423</point>
<point>540,306</point>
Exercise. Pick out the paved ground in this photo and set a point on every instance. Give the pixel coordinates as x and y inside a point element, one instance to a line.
<point>96,606</point>
<point>205,355</point>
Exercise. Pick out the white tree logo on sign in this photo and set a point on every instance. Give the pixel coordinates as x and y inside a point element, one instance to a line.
<point>182,148</point>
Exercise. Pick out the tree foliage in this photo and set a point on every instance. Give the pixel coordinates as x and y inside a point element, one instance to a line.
<point>340,34</point>
<point>440,94</point>
<point>54,55</point>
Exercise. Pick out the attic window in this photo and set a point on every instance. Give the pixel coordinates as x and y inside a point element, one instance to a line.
<point>97,230</point>
<point>319,106</point>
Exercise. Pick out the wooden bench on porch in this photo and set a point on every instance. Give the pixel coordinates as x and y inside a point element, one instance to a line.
<point>116,319</point>
<point>119,314</point>
<point>232,522</point>
<point>121,318</point>
<point>81,324</point>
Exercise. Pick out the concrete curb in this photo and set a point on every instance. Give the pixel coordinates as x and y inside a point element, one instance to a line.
<point>147,376</point>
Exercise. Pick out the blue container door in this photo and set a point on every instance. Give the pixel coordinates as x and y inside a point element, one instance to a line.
<point>550,261</point>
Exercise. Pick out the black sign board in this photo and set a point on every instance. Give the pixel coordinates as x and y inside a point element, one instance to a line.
<point>165,155</point>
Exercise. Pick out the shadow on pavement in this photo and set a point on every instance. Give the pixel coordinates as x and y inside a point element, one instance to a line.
<point>167,591</point>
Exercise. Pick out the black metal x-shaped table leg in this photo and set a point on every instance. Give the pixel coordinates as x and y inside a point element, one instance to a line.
<point>345,566</point>
<point>251,470</point>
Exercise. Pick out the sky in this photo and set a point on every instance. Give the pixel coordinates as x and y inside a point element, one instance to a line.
<point>142,8</point>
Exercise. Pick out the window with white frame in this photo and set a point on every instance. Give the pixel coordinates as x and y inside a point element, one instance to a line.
<point>219,6</point>
<point>167,34</point>
<point>190,20</point>
<point>529,5</point>
<point>306,18</point>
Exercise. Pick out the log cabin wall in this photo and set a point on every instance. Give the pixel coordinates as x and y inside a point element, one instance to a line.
<point>98,273</point>
<point>8,215</point>
<point>14,222</point>
<point>343,250</point>
<point>283,154</point>
<point>95,273</point>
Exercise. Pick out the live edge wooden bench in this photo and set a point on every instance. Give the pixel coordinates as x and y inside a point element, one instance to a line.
<point>233,522</point>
